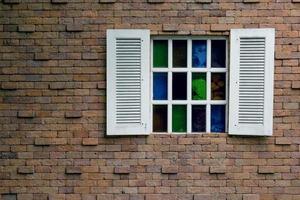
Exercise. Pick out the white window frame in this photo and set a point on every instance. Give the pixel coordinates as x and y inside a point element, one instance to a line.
<point>189,70</point>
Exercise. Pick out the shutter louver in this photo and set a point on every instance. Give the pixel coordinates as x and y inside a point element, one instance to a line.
<point>128,90</point>
<point>251,82</point>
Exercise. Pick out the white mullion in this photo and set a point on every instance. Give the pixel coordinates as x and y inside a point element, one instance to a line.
<point>226,87</point>
<point>170,63</point>
<point>208,87</point>
<point>189,87</point>
<point>151,85</point>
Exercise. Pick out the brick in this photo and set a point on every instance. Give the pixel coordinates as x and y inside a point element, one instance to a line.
<point>90,141</point>
<point>73,170</point>
<point>250,196</point>
<point>9,85</point>
<point>155,1</point>
<point>203,1</point>
<point>107,1</point>
<point>59,1</point>
<point>295,1</point>
<point>9,196</point>
<point>283,141</point>
<point>26,114</point>
<point>57,86</point>
<point>251,1</point>
<point>42,56</point>
<point>74,27</point>
<point>266,170</point>
<point>8,155</point>
<point>26,28</point>
<point>122,170</point>
<point>170,27</point>
<point>73,114</point>
<point>42,141</point>
<point>90,56</point>
<point>101,85</point>
<point>217,169</point>
<point>169,170</point>
<point>202,196</point>
<point>40,197</point>
<point>11,1</point>
<point>295,84</point>
<point>26,170</point>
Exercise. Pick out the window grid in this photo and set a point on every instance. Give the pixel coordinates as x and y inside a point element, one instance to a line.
<point>189,70</point>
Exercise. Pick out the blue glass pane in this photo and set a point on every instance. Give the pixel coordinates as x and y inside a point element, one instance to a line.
<point>218,118</point>
<point>160,86</point>
<point>199,53</point>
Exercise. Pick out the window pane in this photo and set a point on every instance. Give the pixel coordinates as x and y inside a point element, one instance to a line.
<point>198,86</point>
<point>198,118</point>
<point>179,88</point>
<point>218,86</point>
<point>160,53</point>
<point>218,118</point>
<point>199,53</point>
<point>160,86</point>
<point>160,118</point>
<point>179,53</point>
<point>179,118</point>
<point>218,53</point>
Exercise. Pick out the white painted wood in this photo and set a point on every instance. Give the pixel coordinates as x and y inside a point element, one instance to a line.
<point>251,80</point>
<point>128,62</point>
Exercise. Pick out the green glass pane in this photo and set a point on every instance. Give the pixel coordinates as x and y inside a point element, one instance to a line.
<point>199,86</point>
<point>160,53</point>
<point>179,118</point>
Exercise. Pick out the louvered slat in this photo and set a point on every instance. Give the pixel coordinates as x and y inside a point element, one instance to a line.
<point>128,84</point>
<point>251,81</point>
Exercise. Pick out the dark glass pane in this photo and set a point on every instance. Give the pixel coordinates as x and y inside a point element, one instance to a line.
<point>198,86</point>
<point>179,118</point>
<point>160,86</point>
<point>218,118</point>
<point>199,53</point>
<point>218,86</point>
<point>218,53</point>
<point>179,53</point>
<point>160,118</point>
<point>160,53</point>
<point>198,118</point>
<point>179,88</point>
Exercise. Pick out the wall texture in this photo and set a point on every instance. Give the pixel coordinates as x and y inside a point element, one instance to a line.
<point>52,119</point>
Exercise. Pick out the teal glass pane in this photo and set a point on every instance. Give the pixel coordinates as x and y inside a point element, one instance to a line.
<point>198,118</point>
<point>218,53</point>
<point>160,118</point>
<point>160,53</point>
<point>218,86</point>
<point>218,118</point>
<point>179,53</point>
<point>199,86</point>
<point>179,88</point>
<point>179,118</point>
<point>199,53</point>
<point>160,86</point>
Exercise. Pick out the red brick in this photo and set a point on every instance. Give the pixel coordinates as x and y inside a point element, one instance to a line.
<point>26,114</point>
<point>107,1</point>
<point>26,28</point>
<point>295,84</point>
<point>57,86</point>
<point>155,1</point>
<point>122,170</point>
<point>42,56</point>
<point>59,1</point>
<point>217,169</point>
<point>9,85</point>
<point>203,1</point>
<point>73,114</point>
<point>266,170</point>
<point>251,1</point>
<point>283,141</point>
<point>170,27</point>
<point>25,170</point>
<point>74,27</point>
<point>169,169</point>
<point>90,141</point>
<point>250,197</point>
<point>11,1</point>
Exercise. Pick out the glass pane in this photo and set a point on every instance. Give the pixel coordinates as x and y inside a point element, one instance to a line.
<point>160,86</point>
<point>179,53</point>
<point>160,53</point>
<point>198,118</point>
<point>198,86</point>
<point>179,118</point>
<point>179,88</point>
<point>218,86</point>
<point>199,53</point>
<point>160,118</point>
<point>218,53</point>
<point>218,118</point>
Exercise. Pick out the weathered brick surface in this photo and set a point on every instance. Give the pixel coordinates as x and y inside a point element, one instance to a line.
<point>53,107</point>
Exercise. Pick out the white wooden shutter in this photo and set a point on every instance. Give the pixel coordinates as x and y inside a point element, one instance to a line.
<point>128,88</point>
<point>251,81</point>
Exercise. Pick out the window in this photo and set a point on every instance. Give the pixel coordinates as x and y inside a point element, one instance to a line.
<point>189,84</point>
<point>182,84</point>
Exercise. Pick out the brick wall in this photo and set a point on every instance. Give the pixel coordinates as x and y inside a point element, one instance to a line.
<point>52,118</point>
